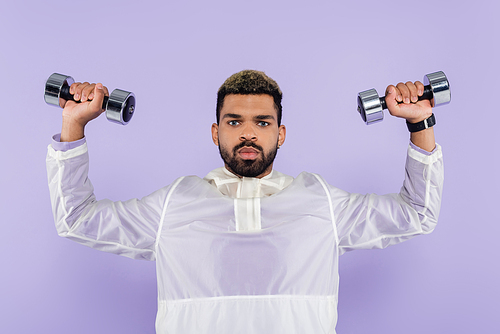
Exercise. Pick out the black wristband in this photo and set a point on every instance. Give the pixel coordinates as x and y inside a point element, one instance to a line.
<point>425,124</point>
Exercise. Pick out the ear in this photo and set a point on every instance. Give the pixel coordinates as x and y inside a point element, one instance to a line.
<point>281,135</point>
<point>215,134</point>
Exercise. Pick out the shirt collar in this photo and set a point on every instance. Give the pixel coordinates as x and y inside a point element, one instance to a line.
<point>234,186</point>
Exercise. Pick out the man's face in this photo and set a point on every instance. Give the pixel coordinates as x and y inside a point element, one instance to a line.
<point>248,134</point>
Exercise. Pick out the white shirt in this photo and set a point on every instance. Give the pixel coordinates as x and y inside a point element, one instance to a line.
<point>246,191</point>
<point>244,255</point>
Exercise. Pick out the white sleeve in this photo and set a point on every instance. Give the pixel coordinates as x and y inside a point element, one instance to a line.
<point>125,228</point>
<point>374,221</point>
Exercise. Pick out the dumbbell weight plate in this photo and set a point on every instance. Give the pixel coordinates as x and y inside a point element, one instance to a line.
<point>53,88</point>
<point>121,106</point>
<point>369,106</point>
<point>440,88</point>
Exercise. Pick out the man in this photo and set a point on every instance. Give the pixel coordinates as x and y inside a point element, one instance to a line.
<point>246,249</point>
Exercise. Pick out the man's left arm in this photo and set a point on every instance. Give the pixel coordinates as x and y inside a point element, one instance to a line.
<point>377,221</point>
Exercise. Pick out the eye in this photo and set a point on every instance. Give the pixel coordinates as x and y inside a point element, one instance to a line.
<point>263,123</point>
<point>233,123</point>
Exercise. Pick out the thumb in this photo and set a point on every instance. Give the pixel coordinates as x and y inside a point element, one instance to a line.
<point>96,103</point>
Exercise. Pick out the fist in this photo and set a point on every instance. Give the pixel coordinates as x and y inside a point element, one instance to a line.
<point>91,98</point>
<point>402,101</point>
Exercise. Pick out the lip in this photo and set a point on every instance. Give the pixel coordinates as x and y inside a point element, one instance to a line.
<point>248,153</point>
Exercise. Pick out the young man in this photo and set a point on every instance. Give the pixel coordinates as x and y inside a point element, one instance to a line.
<point>246,249</point>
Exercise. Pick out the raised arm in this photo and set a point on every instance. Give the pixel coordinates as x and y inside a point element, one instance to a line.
<point>125,228</point>
<point>377,221</point>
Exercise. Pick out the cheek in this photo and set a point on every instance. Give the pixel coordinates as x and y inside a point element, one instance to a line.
<point>227,138</point>
<point>272,139</point>
<point>225,142</point>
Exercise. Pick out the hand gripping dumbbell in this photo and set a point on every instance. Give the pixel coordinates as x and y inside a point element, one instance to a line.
<point>437,90</point>
<point>119,106</point>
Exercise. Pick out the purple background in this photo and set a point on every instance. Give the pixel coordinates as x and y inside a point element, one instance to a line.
<point>174,57</point>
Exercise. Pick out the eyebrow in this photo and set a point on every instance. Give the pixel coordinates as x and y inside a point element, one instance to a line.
<point>229,115</point>
<point>259,117</point>
<point>264,117</point>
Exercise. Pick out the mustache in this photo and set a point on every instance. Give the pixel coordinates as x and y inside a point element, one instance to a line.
<point>247,143</point>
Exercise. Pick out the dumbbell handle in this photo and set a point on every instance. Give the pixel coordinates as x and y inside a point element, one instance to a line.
<point>65,94</point>
<point>427,95</point>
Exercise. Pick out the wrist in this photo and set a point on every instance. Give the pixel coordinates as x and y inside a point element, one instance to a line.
<point>424,139</point>
<point>71,130</point>
<point>422,125</point>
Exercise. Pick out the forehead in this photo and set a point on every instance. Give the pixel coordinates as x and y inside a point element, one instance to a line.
<point>261,104</point>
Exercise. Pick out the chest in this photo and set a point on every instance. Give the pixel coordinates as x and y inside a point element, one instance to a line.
<point>218,246</point>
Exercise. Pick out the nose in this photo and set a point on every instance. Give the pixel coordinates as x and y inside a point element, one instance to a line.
<point>248,133</point>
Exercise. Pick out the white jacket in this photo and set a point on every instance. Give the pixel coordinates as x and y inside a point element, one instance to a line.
<point>244,255</point>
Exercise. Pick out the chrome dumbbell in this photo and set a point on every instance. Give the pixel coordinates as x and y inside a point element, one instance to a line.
<point>119,106</point>
<point>437,90</point>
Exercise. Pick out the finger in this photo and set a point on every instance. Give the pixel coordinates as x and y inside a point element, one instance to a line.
<point>86,91</point>
<point>73,86</point>
<point>420,88</point>
<point>74,89</point>
<point>392,95</point>
<point>78,90</point>
<point>413,91</point>
<point>405,92</point>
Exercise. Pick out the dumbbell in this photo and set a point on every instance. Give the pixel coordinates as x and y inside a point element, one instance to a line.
<point>119,106</point>
<point>436,89</point>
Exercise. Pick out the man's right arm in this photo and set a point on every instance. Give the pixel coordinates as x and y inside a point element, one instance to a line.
<point>126,228</point>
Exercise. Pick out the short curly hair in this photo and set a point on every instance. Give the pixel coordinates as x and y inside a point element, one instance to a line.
<point>250,82</point>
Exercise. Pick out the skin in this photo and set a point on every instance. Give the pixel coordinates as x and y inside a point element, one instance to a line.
<point>249,117</point>
<point>411,110</point>
<point>77,115</point>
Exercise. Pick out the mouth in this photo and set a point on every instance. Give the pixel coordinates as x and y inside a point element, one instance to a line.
<point>248,153</point>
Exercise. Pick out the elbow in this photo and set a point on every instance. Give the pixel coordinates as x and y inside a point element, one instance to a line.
<point>428,220</point>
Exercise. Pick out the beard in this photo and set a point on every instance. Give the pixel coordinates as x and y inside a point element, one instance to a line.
<point>248,168</point>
